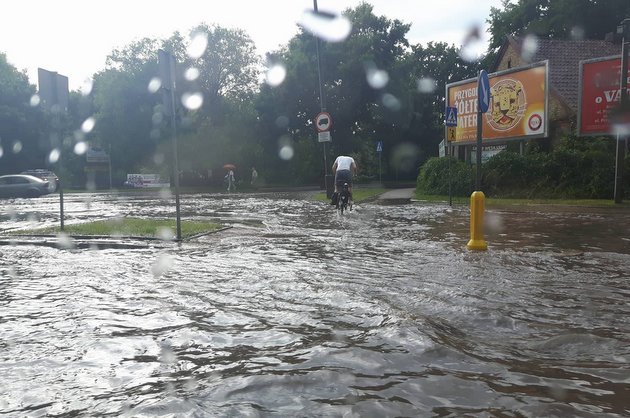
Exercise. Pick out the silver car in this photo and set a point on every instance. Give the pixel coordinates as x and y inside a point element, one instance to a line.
<point>53,180</point>
<point>23,185</point>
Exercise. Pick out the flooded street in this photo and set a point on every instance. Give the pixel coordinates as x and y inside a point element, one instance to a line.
<point>297,311</point>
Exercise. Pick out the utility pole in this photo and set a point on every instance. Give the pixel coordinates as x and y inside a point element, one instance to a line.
<point>624,30</point>
<point>322,106</point>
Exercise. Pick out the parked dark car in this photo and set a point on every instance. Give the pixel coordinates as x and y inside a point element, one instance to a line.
<point>53,180</point>
<point>23,185</point>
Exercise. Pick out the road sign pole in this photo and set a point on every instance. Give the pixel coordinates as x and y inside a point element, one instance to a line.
<point>477,199</point>
<point>479,133</point>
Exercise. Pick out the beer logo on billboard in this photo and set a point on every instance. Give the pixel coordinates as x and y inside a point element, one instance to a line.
<point>508,104</point>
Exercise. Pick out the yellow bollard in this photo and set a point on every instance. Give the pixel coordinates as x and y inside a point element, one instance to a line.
<point>477,208</point>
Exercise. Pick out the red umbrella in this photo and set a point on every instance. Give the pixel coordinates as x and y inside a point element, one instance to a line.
<point>229,166</point>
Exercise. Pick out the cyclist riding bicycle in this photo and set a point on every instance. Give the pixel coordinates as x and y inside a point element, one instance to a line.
<point>344,168</point>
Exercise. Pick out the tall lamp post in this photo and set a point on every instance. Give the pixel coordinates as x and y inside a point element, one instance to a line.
<point>624,109</point>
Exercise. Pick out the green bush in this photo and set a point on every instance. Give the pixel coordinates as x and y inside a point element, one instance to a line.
<point>434,177</point>
<point>578,168</point>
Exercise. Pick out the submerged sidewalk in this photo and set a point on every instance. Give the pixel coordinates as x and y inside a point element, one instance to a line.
<point>397,196</point>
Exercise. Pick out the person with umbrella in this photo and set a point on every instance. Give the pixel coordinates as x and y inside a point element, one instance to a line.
<point>229,177</point>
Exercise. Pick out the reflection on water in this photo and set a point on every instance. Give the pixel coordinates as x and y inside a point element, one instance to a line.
<point>297,311</point>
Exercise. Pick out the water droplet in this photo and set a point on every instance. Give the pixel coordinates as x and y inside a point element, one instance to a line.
<point>88,125</point>
<point>80,148</point>
<point>377,79</point>
<point>158,158</point>
<point>427,85</point>
<point>167,356</point>
<point>165,193</point>
<point>198,45</point>
<point>154,85</point>
<point>529,48</point>
<point>1,152</point>
<point>275,75</point>
<point>64,241</point>
<point>35,100</point>
<point>191,74</point>
<point>192,101</point>
<point>391,102</point>
<point>54,155</point>
<point>282,122</point>
<point>166,234</point>
<point>472,46</point>
<point>286,152</point>
<point>285,148</point>
<point>17,147</point>
<point>577,33</point>
<point>327,26</point>
<point>157,118</point>
<point>162,265</point>
<point>87,87</point>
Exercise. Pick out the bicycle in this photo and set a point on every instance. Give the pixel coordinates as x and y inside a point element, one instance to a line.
<point>344,201</point>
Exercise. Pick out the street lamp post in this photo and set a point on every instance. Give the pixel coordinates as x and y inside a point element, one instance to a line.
<point>624,30</point>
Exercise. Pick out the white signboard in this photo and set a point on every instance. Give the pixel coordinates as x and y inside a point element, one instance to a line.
<point>324,136</point>
<point>139,181</point>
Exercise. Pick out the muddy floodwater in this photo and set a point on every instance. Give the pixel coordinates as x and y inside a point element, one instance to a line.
<point>297,311</point>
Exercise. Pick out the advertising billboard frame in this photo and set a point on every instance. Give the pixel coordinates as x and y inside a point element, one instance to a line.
<point>489,141</point>
<point>581,89</point>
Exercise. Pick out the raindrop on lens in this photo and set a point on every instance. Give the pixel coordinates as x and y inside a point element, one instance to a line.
<point>191,74</point>
<point>53,157</point>
<point>166,234</point>
<point>161,265</point>
<point>197,45</point>
<point>472,46</point>
<point>1,152</point>
<point>158,158</point>
<point>87,86</point>
<point>377,79</point>
<point>426,85</point>
<point>17,147</point>
<point>192,101</point>
<point>391,102</point>
<point>282,122</point>
<point>286,152</point>
<point>35,100</point>
<point>88,125</point>
<point>154,85</point>
<point>64,241</point>
<point>80,148</point>
<point>529,48</point>
<point>327,26</point>
<point>275,75</point>
<point>577,33</point>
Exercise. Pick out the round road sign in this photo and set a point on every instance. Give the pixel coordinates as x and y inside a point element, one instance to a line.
<point>323,122</point>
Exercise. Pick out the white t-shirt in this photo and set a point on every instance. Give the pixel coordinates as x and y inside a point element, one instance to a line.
<point>344,163</point>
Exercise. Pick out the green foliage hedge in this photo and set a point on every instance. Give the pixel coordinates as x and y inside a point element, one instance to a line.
<point>577,168</point>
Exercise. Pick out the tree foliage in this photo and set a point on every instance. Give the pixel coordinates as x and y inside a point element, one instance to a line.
<point>558,19</point>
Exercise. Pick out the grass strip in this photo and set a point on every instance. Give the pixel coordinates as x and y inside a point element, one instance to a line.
<point>132,227</point>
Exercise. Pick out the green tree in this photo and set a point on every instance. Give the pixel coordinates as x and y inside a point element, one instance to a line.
<point>559,19</point>
<point>23,140</point>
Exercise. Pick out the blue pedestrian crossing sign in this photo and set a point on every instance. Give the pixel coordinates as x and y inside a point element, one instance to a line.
<point>379,146</point>
<point>451,116</point>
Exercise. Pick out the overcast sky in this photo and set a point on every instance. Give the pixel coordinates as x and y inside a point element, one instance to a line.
<point>74,37</point>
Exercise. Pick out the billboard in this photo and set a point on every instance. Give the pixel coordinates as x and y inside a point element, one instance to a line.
<point>518,105</point>
<point>53,89</point>
<point>599,93</point>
